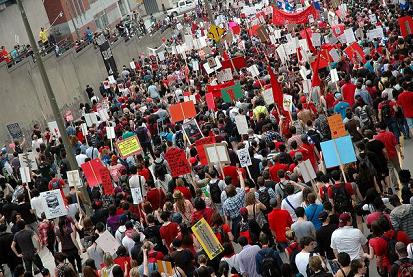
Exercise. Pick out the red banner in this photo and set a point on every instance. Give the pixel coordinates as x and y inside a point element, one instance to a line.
<point>239,62</point>
<point>91,170</point>
<point>280,17</point>
<point>106,181</point>
<point>406,25</point>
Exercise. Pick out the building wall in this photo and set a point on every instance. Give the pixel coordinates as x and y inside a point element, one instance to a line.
<point>11,24</point>
<point>24,95</point>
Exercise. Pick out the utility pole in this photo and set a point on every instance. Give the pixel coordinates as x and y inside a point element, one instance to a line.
<point>52,98</point>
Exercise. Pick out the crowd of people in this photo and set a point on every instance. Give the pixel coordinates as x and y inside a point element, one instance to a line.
<point>269,221</point>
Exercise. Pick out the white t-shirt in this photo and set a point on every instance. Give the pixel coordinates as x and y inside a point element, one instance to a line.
<point>350,240</point>
<point>37,204</point>
<point>80,159</point>
<point>295,201</point>
<point>301,260</point>
<point>137,181</point>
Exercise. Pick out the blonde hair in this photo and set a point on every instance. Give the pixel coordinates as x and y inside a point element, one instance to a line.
<point>180,201</point>
<point>108,260</point>
<point>134,272</point>
<point>250,199</point>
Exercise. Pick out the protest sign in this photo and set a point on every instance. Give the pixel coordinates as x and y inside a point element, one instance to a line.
<point>68,116</point>
<point>199,144</point>
<point>215,32</point>
<point>373,19</point>
<point>103,114</point>
<point>73,178</point>
<point>181,111</point>
<point>107,243</point>
<point>207,238</point>
<point>84,129</point>
<point>209,98</point>
<point>244,157</point>
<point>136,195</point>
<point>53,129</point>
<point>355,53</point>
<point>336,126</point>
<point>129,146</point>
<point>316,39</point>
<point>91,171</point>
<point>349,35</point>
<point>406,25</point>
<point>253,69</point>
<point>307,171</point>
<point>287,102</point>
<point>334,75</point>
<point>268,96</point>
<point>111,79</point>
<point>15,131</point>
<point>106,180</point>
<point>217,153</point>
<point>335,55</point>
<point>25,174</point>
<point>90,119</point>
<point>28,159</point>
<point>225,75</point>
<point>339,151</point>
<point>53,204</point>
<point>177,162</point>
<point>212,65</point>
<point>242,125</point>
<point>110,132</point>
<point>165,267</point>
<point>192,131</point>
<point>375,33</point>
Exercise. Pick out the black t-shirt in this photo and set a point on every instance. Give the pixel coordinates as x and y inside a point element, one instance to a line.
<point>23,239</point>
<point>324,240</point>
<point>7,210</point>
<point>152,233</point>
<point>100,215</point>
<point>27,215</point>
<point>377,147</point>
<point>183,259</point>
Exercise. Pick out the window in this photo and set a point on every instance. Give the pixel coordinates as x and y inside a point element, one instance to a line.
<point>101,20</point>
<point>122,7</point>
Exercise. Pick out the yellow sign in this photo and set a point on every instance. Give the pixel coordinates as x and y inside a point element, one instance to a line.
<point>207,238</point>
<point>336,126</point>
<point>165,267</point>
<point>128,147</point>
<point>215,33</point>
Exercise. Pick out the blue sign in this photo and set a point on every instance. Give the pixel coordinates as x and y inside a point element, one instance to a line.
<point>342,146</point>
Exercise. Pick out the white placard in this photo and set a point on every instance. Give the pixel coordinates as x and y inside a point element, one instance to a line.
<point>91,119</point>
<point>268,96</point>
<point>25,175</point>
<point>373,19</point>
<point>28,160</point>
<point>84,129</point>
<point>132,65</point>
<point>190,98</point>
<point>349,35</point>
<point>307,171</point>
<point>281,53</point>
<point>307,86</point>
<point>161,56</point>
<point>110,132</point>
<point>73,178</point>
<point>209,70</point>
<point>335,55</point>
<point>253,69</point>
<point>334,75</point>
<point>375,33</point>
<point>103,114</point>
<point>54,129</point>
<point>242,125</point>
<point>217,153</point>
<point>287,102</point>
<point>277,34</point>
<point>189,42</point>
<point>225,75</point>
<point>316,39</point>
<point>289,37</point>
<point>195,65</point>
<point>303,72</point>
<point>107,243</point>
<point>111,79</point>
<point>53,203</point>
<point>136,195</point>
<point>244,157</point>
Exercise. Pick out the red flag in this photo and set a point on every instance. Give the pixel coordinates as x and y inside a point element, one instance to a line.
<point>239,62</point>
<point>225,56</point>
<point>216,89</point>
<point>315,80</point>
<point>309,42</point>
<point>299,54</point>
<point>276,88</point>
<point>406,25</point>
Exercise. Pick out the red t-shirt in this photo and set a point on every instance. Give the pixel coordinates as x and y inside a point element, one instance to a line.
<point>348,187</point>
<point>389,140</point>
<point>373,217</point>
<point>348,93</point>
<point>145,173</point>
<point>185,192</point>
<point>274,170</point>
<point>205,213</point>
<point>390,103</point>
<point>121,262</point>
<point>231,170</point>
<point>169,232</point>
<point>225,229</point>
<point>279,220</point>
<point>329,100</point>
<point>310,153</point>
<point>405,100</point>
<point>156,197</point>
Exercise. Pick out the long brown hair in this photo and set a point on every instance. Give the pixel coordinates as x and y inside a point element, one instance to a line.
<point>180,201</point>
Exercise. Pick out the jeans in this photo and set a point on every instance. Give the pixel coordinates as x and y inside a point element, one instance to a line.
<point>234,226</point>
<point>403,126</point>
<point>72,256</point>
<point>30,260</point>
<point>391,123</point>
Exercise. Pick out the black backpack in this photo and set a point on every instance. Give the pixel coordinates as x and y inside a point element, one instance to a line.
<point>264,198</point>
<point>342,200</point>
<point>142,134</point>
<point>386,111</point>
<point>269,267</point>
<point>391,247</point>
<point>215,192</point>
<point>283,187</point>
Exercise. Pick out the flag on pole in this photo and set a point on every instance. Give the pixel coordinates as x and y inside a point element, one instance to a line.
<point>315,80</point>
<point>276,88</point>
<point>309,42</point>
<point>231,93</point>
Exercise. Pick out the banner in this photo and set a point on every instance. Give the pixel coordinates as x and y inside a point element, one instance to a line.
<point>239,62</point>
<point>53,204</point>
<point>129,146</point>
<point>280,17</point>
<point>15,131</point>
<point>207,238</point>
<point>232,93</point>
<point>177,162</point>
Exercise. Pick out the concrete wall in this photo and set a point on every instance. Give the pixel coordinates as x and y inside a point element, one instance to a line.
<point>22,94</point>
<point>11,24</point>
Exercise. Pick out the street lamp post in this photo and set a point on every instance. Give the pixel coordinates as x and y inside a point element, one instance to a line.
<point>52,98</point>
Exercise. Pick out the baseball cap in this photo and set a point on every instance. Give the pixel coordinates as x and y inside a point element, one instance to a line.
<point>344,219</point>
<point>323,216</point>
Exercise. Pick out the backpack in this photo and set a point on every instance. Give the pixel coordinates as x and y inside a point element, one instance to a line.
<point>269,267</point>
<point>391,247</point>
<point>179,139</point>
<point>342,201</point>
<point>364,115</point>
<point>282,187</point>
<point>386,111</point>
<point>142,134</point>
<point>405,268</point>
<point>315,137</point>
<point>308,270</point>
<point>215,192</point>
<point>264,198</point>
<point>56,184</point>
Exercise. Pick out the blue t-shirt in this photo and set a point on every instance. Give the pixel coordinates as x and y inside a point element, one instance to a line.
<point>341,108</point>
<point>312,212</point>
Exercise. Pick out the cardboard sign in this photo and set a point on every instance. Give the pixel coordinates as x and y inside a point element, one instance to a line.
<point>110,132</point>
<point>107,243</point>
<point>335,55</point>
<point>177,162</point>
<point>242,125</point>
<point>165,267</point>
<point>244,157</point>
<point>338,151</point>
<point>106,181</point>
<point>336,126</point>
<point>349,35</point>
<point>53,204</point>
<point>253,69</point>
<point>192,131</point>
<point>129,147</point>
<point>268,96</point>
<point>91,171</point>
<point>181,111</point>
<point>375,33</point>
<point>25,174</point>
<point>217,153</point>
<point>28,159</point>
<point>103,114</point>
<point>15,131</point>
<point>225,75</point>
<point>199,144</point>
<point>90,119</point>
<point>54,129</point>
<point>73,178</point>
<point>212,65</point>
<point>287,102</point>
<point>307,171</point>
<point>136,195</point>
<point>207,238</point>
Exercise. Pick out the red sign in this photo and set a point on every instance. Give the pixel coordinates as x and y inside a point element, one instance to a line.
<point>200,148</point>
<point>91,170</point>
<point>106,181</point>
<point>177,162</point>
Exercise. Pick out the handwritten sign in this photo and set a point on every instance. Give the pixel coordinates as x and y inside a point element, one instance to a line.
<point>15,131</point>
<point>107,243</point>
<point>177,162</point>
<point>28,159</point>
<point>129,146</point>
<point>106,180</point>
<point>207,238</point>
<point>336,126</point>
<point>199,144</point>
<point>136,195</point>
